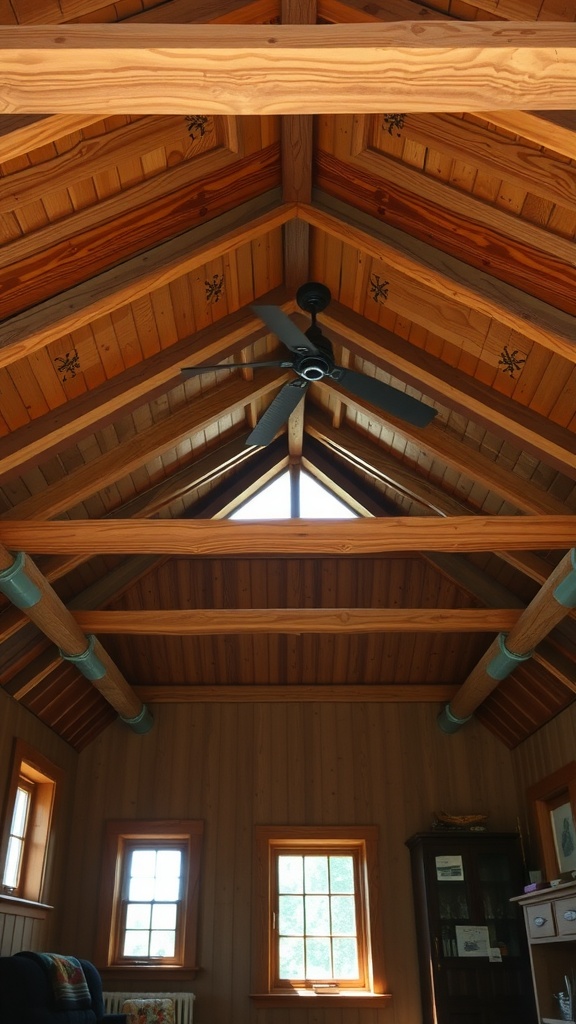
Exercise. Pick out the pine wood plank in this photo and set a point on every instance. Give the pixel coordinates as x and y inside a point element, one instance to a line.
<point>25,138</point>
<point>91,154</point>
<point>535,128</point>
<point>113,288</point>
<point>455,285</point>
<point>184,13</point>
<point>531,169</point>
<point>340,621</point>
<point>147,444</point>
<point>226,537</point>
<point>406,65</point>
<point>391,693</point>
<point>454,389</point>
<point>45,262</point>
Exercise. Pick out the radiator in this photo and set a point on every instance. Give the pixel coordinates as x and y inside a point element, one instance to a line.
<point>183,1002</point>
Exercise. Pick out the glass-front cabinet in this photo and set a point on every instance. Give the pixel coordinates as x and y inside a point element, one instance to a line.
<point>474,963</point>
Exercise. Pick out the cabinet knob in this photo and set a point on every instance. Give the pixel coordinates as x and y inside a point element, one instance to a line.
<point>570,915</point>
<point>539,921</point>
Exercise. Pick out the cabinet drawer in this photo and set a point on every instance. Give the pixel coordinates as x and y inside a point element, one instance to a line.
<point>565,911</point>
<point>540,921</point>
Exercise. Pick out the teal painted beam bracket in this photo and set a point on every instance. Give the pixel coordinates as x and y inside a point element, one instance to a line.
<point>87,662</point>
<point>565,592</point>
<point>17,586</point>
<point>505,661</point>
<point>448,722</point>
<point>141,723</point>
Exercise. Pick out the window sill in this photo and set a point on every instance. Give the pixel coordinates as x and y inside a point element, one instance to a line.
<point>24,908</point>
<point>135,972</point>
<point>351,999</point>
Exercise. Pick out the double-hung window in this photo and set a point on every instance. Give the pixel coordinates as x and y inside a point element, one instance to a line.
<point>150,889</point>
<point>28,823</point>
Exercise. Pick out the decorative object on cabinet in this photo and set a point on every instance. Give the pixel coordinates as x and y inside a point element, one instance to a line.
<point>550,919</point>
<point>474,963</point>
<point>474,822</point>
<point>553,801</point>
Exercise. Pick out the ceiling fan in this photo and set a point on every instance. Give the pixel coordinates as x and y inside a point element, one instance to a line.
<point>313,360</point>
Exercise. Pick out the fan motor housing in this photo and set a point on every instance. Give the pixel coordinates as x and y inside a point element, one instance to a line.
<point>313,367</point>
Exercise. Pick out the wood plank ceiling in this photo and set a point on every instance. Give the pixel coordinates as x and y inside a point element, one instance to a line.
<point>136,243</point>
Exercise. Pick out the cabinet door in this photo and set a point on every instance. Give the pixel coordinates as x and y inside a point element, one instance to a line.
<point>476,944</point>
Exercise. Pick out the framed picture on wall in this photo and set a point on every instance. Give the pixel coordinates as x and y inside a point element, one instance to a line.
<point>553,802</point>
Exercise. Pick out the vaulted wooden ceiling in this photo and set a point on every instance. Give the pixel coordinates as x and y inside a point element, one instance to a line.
<point>136,243</point>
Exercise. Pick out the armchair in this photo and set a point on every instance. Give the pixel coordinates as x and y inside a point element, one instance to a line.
<point>27,995</point>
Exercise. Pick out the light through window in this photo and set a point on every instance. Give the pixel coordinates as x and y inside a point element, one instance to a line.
<point>17,837</point>
<point>149,894</point>
<point>317,930</point>
<point>273,501</point>
<point>153,898</point>
<point>317,919</point>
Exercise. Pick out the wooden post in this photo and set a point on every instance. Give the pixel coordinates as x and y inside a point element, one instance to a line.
<point>23,583</point>
<point>552,603</point>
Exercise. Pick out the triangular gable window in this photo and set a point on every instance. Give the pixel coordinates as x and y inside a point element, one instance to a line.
<point>273,501</point>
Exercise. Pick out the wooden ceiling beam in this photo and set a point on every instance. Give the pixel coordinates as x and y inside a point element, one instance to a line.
<point>21,581</point>
<point>41,132</point>
<point>227,538</point>
<point>242,621</point>
<point>306,69</point>
<point>534,171</point>
<point>447,288</point>
<point>249,478</point>
<point>182,12</point>
<point>28,678</point>
<point>37,327</point>
<point>440,444</point>
<point>549,607</point>
<point>358,11</point>
<point>358,451</point>
<point>296,134</point>
<point>371,693</point>
<point>176,11</point>
<point>452,388</point>
<point>535,129</point>
<point>141,383</point>
<point>145,215</point>
<point>227,397</point>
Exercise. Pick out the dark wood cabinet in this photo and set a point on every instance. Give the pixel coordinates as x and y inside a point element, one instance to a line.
<point>474,962</point>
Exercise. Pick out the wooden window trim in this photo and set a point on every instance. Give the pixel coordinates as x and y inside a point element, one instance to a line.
<point>118,834</point>
<point>267,840</point>
<point>45,778</point>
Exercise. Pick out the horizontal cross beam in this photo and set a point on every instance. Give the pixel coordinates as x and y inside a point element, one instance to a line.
<point>287,69</point>
<point>357,537</point>
<point>227,621</point>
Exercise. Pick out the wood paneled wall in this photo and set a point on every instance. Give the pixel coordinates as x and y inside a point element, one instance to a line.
<point>543,753</point>
<point>236,765</point>
<point>17,930</point>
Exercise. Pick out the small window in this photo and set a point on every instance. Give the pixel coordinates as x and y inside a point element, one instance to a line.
<point>30,807</point>
<point>150,894</point>
<point>317,925</point>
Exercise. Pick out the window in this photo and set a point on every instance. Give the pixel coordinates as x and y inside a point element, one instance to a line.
<point>150,894</point>
<point>29,814</point>
<point>317,925</point>
<point>275,500</point>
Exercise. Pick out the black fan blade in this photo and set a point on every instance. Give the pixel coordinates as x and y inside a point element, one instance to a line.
<point>288,333</point>
<point>278,412</point>
<point>193,371</point>
<point>384,396</point>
